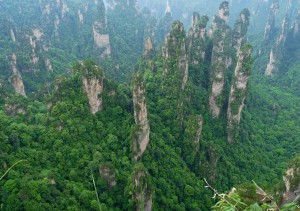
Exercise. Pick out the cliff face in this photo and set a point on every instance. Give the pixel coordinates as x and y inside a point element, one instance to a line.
<point>240,29</point>
<point>291,181</point>
<point>100,31</point>
<point>148,48</point>
<point>220,61</point>
<point>92,81</point>
<point>142,132</point>
<point>142,196</point>
<point>198,39</point>
<point>174,50</point>
<point>16,79</point>
<point>238,90</point>
<point>275,54</point>
<point>270,26</point>
<point>192,136</point>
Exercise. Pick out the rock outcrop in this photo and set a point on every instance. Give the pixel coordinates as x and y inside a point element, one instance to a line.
<point>241,29</point>
<point>276,54</point>
<point>220,60</point>
<point>198,39</point>
<point>192,137</point>
<point>108,175</point>
<point>92,81</point>
<point>142,196</point>
<point>142,131</point>
<point>100,31</point>
<point>238,90</point>
<point>291,181</point>
<point>174,50</point>
<point>149,49</point>
<point>270,26</point>
<point>16,79</point>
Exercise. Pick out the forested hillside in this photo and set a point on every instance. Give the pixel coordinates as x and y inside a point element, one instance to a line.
<point>112,105</point>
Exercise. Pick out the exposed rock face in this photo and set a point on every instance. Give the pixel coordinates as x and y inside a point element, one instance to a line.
<point>148,48</point>
<point>296,26</point>
<point>220,62</point>
<point>93,87</point>
<point>292,182</point>
<point>48,65</point>
<point>108,174</point>
<point>16,78</point>
<point>275,54</point>
<point>14,109</point>
<point>141,136</point>
<point>240,29</point>
<point>238,90</point>
<point>174,49</point>
<point>101,36</point>
<point>141,194</point>
<point>192,137</point>
<point>224,11</point>
<point>198,39</point>
<point>13,36</point>
<point>270,26</point>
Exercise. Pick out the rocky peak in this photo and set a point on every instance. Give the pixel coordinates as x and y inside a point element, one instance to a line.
<point>220,61</point>
<point>238,90</point>
<point>240,29</point>
<point>275,53</point>
<point>148,48</point>
<point>224,11</point>
<point>270,26</point>
<point>142,132</point>
<point>174,49</point>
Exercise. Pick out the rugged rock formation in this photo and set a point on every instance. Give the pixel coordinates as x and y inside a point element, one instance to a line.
<point>192,137</point>
<point>174,49</point>
<point>148,48</point>
<point>224,11</point>
<point>108,175</point>
<point>240,29</point>
<point>270,26</point>
<point>92,81</point>
<point>221,59</point>
<point>198,40</point>
<point>238,90</point>
<point>142,196</point>
<point>296,26</point>
<point>16,79</point>
<point>292,182</point>
<point>101,36</point>
<point>142,131</point>
<point>276,54</point>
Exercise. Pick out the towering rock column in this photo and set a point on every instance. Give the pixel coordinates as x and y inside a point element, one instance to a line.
<point>16,79</point>
<point>241,29</point>
<point>92,81</point>
<point>276,54</point>
<point>148,48</point>
<point>141,192</point>
<point>101,36</point>
<point>270,26</point>
<point>238,90</point>
<point>220,61</point>
<point>198,38</point>
<point>174,50</point>
<point>141,134</point>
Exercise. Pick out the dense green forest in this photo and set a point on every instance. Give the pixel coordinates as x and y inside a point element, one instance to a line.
<point>108,106</point>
